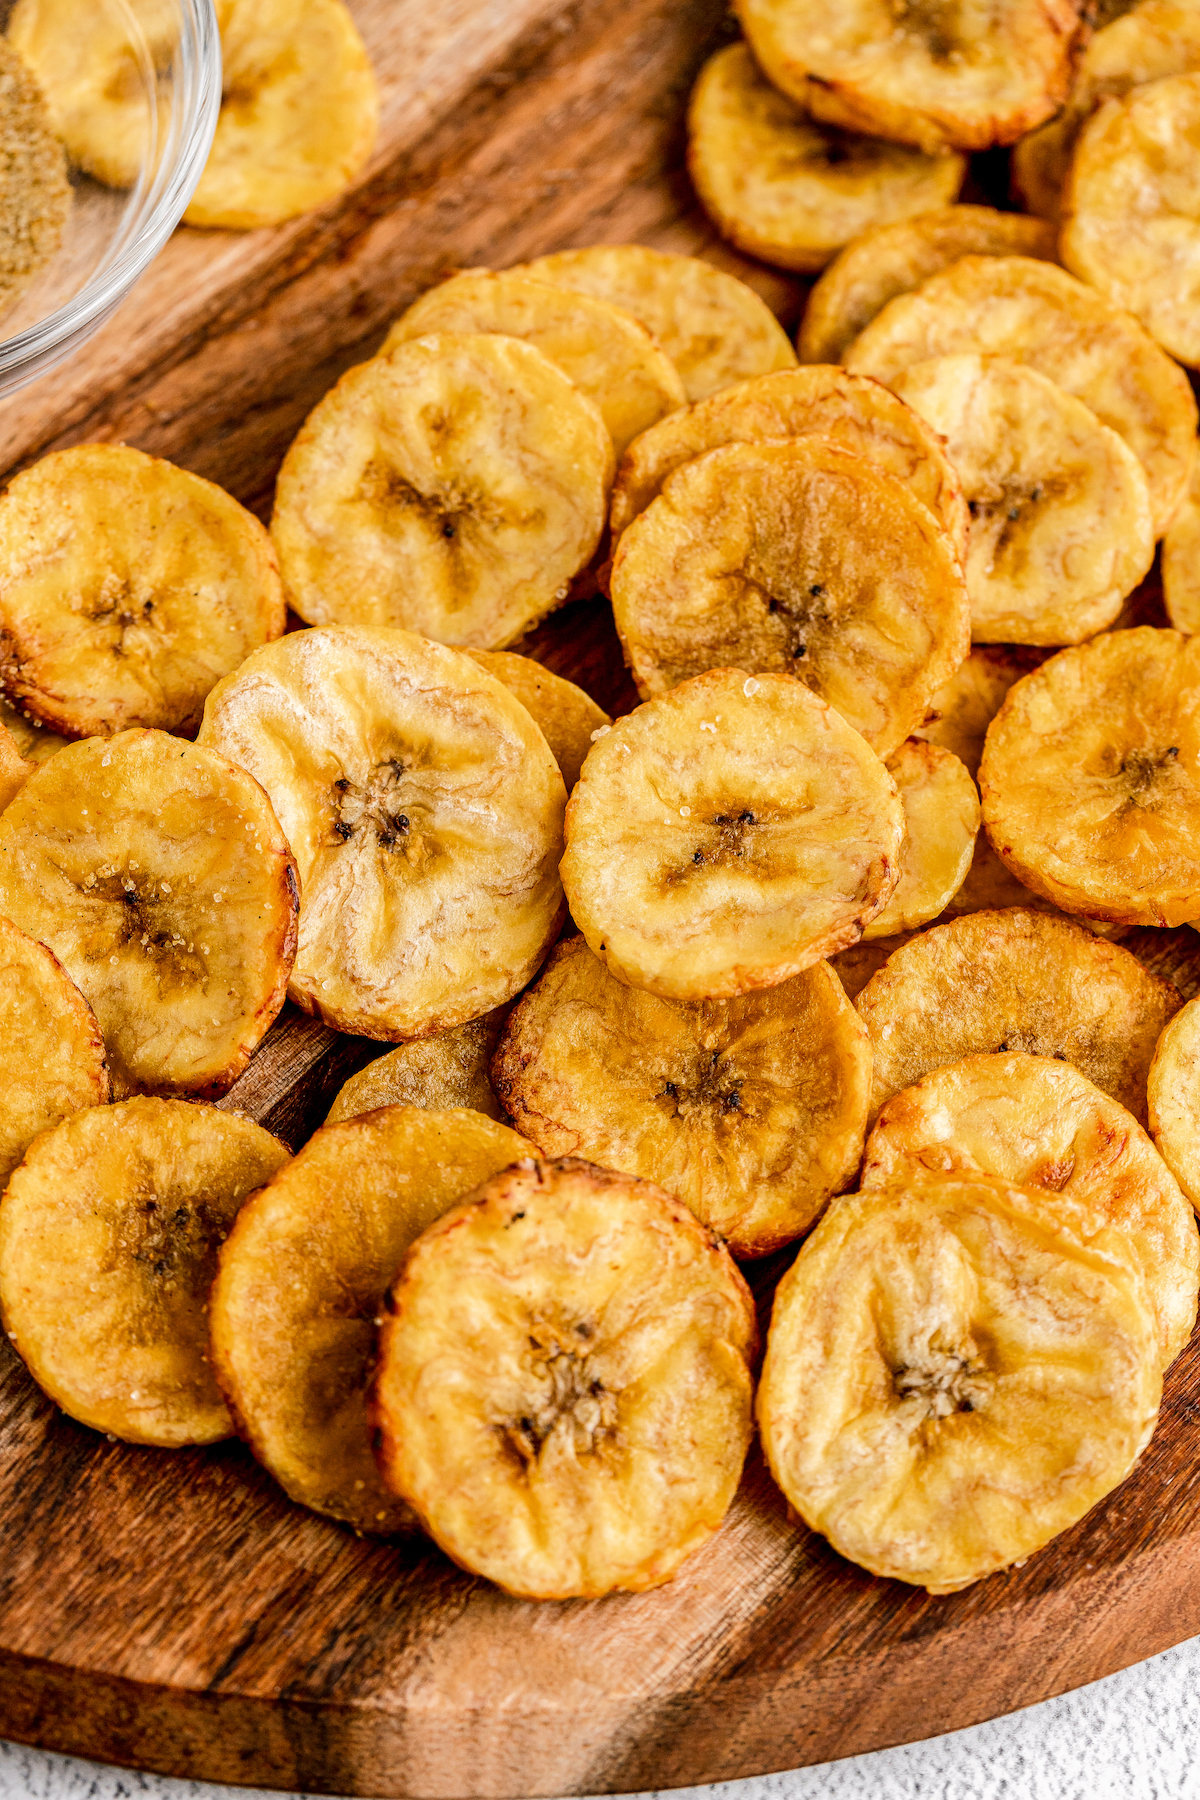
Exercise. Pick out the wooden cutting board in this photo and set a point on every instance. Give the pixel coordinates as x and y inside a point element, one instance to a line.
<point>173,1610</point>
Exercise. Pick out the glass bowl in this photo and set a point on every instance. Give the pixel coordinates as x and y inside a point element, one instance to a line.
<point>112,235</point>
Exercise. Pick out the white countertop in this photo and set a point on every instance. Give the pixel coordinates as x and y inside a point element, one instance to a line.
<point>1135,1736</point>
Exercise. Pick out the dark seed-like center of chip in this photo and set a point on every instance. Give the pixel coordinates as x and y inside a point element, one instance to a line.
<point>943,1381</point>
<point>565,1393</point>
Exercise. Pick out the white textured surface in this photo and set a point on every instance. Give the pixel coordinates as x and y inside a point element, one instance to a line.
<point>1135,1736</point>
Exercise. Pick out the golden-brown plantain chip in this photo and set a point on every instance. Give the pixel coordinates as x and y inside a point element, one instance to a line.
<point>567,718</point>
<point>854,967</point>
<point>728,835</point>
<point>602,348</point>
<point>1103,819</point>
<point>713,327</point>
<point>158,875</point>
<point>1152,40</point>
<point>1174,1099</point>
<point>852,411</point>
<point>545,1344</point>
<point>33,741</point>
<point>1060,511</point>
<point>1180,562</point>
<point>1041,1124</point>
<point>109,1232</point>
<point>961,711</point>
<point>782,186</point>
<point>892,259</point>
<point>425,811</point>
<point>452,487</point>
<point>299,112</point>
<point>447,1070</point>
<point>994,982</point>
<point>103,90</point>
<point>128,588</point>
<point>954,1375</point>
<point>934,75</point>
<point>1131,209</point>
<point>796,558</point>
<point>1037,314</point>
<point>300,1291</point>
<point>941,820</point>
<point>51,1051</point>
<point>751,1110</point>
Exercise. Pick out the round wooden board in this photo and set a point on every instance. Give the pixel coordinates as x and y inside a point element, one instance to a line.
<point>173,1611</point>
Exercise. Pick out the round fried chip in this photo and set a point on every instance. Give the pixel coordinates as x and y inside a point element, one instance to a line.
<point>1153,39</point>
<point>545,1344</point>
<point>1014,306</point>
<point>954,1375</point>
<point>128,588</point>
<point>895,258</point>
<point>567,718</point>
<point>1131,209</point>
<point>961,711</point>
<point>51,1051</point>
<point>941,819</point>
<point>1041,1124</point>
<point>33,741</point>
<point>1018,980</point>
<point>601,347</point>
<point>299,112</point>
<point>300,1292</point>
<point>1060,511</point>
<point>157,873</point>
<point>109,1233</point>
<point>447,1070</point>
<point>1105,818</point>
<point>713,327</point>
<point>967,76</point>
<point>728,835</point>
<point>425,811</point>
<point>1180,562</point>
<point>798,558</point>
<point>782,186</point>
<point>452,487</point>
<point>852,411</point>
<point>751,1110</point>
<point>1174,1099</point>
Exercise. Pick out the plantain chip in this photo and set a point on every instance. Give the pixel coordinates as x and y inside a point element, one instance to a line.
<point>300,1289</point>
<point>109,1232</point>
<point>600,347</point>
<point>170,898</point>
<point>452,487</point>
<point>546,1341</point>
<point>567,718</point>
<point>956,1371</point>
<point>51,1051</point>
<point>854,967</point>
<point>968,76</point>
<point>798,558</point>
<point>1060,511</point>
<point>1041,1124</point>
<point>782,186</point>
<point>1181,562</point>
<point>961,711</point>
<point>713,327</point>
<point>728,835</point>
<point>852,411</point>
<point>1131,209</point>
<point>1174,1099</point>
<point>941,819</point>
<point>1039,315</point>
<point>447,1070</point>
<point>128,588</point>
<point>1103,820</point>
<point>751,1110</point>
<point>994,982</point>
<point>887,260</point>
<point>425,811</point>
<point>299,112</point>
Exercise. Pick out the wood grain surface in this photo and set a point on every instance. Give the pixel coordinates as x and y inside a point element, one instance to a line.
<point>173,1610</point>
